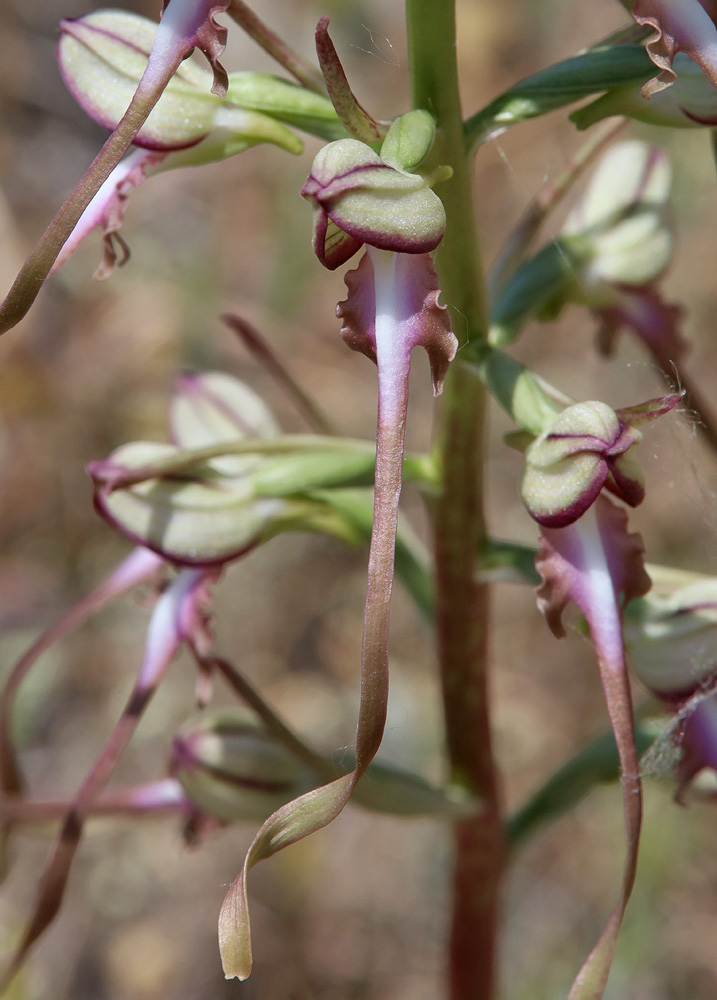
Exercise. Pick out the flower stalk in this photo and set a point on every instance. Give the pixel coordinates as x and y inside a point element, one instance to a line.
<point>462,604</point>
<point>176,617</point>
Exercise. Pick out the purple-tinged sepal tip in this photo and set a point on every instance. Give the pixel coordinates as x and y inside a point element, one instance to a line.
<point>355,119</point>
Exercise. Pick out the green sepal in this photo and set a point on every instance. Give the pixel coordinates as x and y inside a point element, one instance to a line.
<point>287,102</point>
<point>235,130</point>
<point>412,560</point>
<point>560,85</point>
<point>391,791</point>
<point>528,399</point>
<point>409,140</point>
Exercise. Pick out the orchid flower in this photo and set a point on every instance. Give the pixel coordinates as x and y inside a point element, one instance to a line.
<point>362,198</point>
<point>587,556</point>
<point>611,253</point>
<point>178,617</point>
<point>671,641</point>
<point>185,24</point>
<point>688,26</point>
<point>630,237</point>
<point>102,57</point>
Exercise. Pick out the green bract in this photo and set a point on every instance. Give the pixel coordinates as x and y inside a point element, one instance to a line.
<point>689,102</point>
<point>287,102</point>
<point>564,83</point>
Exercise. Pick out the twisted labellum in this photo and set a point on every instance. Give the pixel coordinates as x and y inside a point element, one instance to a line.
<point>391,308</point>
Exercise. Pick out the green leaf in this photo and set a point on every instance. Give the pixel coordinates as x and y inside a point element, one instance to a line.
<point>412,561</point>
<point>597,763</point>
<point>537,288</point>
<point>559,85</point>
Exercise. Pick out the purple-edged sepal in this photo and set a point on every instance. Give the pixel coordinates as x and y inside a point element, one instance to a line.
<point>222,488</point>
<point>102,58</point>
<point>359,198</point>
<point>581,450</point>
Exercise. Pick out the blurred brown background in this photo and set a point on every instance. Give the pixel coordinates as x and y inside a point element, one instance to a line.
<point>360,910</point>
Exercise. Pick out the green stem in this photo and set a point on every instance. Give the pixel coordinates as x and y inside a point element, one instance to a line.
<point>302,70</point>
<point>462,609</point>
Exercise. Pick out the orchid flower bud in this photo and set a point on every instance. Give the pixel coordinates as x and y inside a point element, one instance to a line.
<point>582,449</point>
<point>233,769</point>
<point>614,247</point>
<point>213,495</point>
<point>586,447</point>
<point>623,216</point>
<point>358,198</point>
<point>102,57</point>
